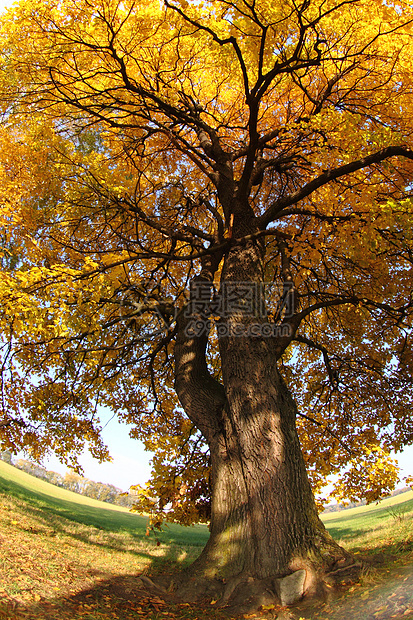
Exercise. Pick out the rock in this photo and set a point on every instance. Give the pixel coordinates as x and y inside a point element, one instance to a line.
<point>290,589</point>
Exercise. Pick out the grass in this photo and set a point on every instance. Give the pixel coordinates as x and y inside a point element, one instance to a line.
<point>55,544</point>
<point>87,511</point>
<point>68,557</point>
<point>384,527</point>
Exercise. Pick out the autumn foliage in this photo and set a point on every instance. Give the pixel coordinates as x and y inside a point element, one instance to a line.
<point>143,142</point>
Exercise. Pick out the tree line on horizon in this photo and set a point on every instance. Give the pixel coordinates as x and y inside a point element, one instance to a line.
<point>72,481</point>
<point>114,495</point>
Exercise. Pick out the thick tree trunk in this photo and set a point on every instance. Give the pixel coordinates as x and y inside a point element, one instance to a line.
<point>264,522</point>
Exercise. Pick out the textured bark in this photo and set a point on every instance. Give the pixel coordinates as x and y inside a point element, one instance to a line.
<point>264,522</point>
<point>202,397</point>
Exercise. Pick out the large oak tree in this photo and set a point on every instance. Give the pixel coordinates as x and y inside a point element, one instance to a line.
<point>207,216</point>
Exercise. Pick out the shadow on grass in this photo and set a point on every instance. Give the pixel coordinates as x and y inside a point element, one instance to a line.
<point>128,598</point>
<point>106,518</point>
<point>122,597</point>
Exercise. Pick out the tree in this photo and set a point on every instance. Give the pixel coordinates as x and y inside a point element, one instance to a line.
<point>75,482</point>
<point>6,456</point>
<point>32,468</point>
<point>169,164</point>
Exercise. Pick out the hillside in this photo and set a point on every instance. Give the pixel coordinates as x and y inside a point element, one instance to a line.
<point>67,556</point>
<point>82,509</point>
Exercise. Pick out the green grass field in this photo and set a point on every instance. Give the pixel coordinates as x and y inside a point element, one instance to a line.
<point>66,556</point>
<point>386,526</point>
<point>80,509</point>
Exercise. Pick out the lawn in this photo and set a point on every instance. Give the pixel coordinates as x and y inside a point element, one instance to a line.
<point>383,527</point>
<point>68,557</point>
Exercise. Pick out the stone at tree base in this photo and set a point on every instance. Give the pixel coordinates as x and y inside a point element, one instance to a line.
<point>290,589</point>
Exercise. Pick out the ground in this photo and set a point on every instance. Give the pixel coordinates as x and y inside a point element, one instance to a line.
<point>68,558</point>
<point>386,594</point>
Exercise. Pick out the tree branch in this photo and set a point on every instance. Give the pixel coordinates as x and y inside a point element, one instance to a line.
<point>231,40</point>
<point>275,210</point>
<point>201,395</point>
<point>327,430</point>
<point>331,374</point>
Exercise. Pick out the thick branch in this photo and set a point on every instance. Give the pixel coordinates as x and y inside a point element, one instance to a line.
<point>294,322</point>
<point>327,430</point>
<point>201,395</point>
<point>276,208</point>
<point>314,345</point>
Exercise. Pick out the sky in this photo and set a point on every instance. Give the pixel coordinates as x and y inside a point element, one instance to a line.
<point>130,463</point>
<point>5,3</point>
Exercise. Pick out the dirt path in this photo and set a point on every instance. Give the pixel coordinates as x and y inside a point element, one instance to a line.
<point>390,597</point>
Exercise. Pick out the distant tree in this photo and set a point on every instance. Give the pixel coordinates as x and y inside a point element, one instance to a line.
<point>108,492</point>
<point>6,456</point>
<point>55,478</point>
<point>101,491</point>
<point>124,499</point>
<point>75,482</point>
<point>92,489</point>
<point>31,468</point>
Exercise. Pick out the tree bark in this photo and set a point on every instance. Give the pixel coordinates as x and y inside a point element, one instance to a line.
<point>264,522</point>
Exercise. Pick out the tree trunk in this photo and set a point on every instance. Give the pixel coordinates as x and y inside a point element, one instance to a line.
<point>264,522</point>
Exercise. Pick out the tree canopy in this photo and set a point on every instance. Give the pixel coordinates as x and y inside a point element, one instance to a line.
<point>141,143</point>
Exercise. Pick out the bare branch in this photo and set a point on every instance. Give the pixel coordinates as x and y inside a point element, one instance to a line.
<point>310,343</point>
<point>275,210</point>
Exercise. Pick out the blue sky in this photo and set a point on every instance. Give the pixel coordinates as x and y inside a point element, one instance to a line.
<point>131,465</point>
<point>5,3</point>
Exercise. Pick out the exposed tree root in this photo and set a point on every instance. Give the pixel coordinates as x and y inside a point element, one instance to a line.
<point>152,585</point>
<point>244,593</point>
